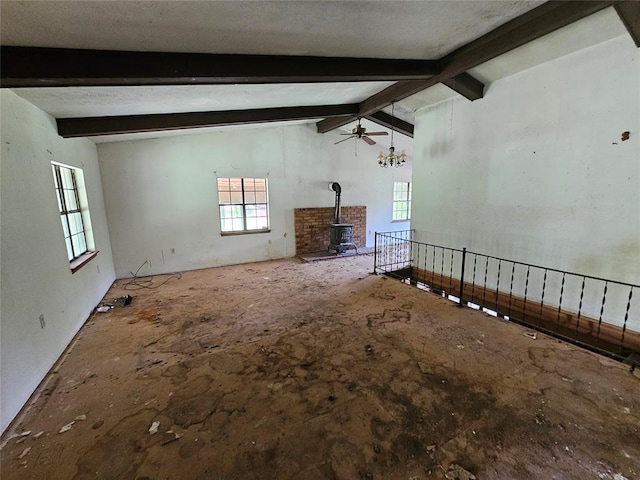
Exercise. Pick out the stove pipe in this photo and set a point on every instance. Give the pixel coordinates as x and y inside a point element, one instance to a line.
<point>335,186</point>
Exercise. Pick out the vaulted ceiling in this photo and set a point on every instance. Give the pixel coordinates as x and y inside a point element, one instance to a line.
<point>112,70</point>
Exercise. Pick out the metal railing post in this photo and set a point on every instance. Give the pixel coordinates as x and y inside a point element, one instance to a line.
<point>464,257</point>
<point>375,252</point>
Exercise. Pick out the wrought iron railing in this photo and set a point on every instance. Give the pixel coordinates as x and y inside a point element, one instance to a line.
<point>596,313</point>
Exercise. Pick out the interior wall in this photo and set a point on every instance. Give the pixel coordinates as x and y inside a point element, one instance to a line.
<point>35,277</point>
<point>161,194</point>
<point>537,171</point>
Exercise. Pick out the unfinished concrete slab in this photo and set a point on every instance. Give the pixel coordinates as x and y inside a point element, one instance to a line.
<point>320,371</point>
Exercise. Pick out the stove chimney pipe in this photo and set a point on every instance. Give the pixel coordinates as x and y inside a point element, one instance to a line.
<point>335,186</point>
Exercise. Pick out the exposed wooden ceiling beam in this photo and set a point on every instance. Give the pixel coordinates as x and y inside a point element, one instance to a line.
<point>92,126</point>
<point>466,85</point>
<point>386,120</point>
<point>629,13</point>
<point>59,67</point>
<point>530,26</point>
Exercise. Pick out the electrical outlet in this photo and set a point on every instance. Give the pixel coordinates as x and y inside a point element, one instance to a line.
<point>42,322</point>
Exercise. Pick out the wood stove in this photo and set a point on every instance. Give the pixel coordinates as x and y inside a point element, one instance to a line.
<point>341,238</point>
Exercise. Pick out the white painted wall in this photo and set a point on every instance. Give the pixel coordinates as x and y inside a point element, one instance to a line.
<point>536,171</point>
<point>160,194</point>
<point>35,278</point>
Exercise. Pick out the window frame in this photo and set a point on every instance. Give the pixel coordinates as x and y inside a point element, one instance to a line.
<point>78,259</point>
<point>243,204</point>
<point>405,214</point>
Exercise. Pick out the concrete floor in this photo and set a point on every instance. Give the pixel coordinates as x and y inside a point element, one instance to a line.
<point>290,370</point>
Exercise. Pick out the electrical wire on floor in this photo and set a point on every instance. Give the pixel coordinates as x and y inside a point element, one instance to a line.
<point>138,283</point>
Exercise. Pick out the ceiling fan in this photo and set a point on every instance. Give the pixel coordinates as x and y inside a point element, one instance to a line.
<point>361,132</point>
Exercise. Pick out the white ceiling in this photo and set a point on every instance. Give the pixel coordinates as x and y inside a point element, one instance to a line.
<point>378,29</point>
<point>382,29</point>
<point>105,101</point>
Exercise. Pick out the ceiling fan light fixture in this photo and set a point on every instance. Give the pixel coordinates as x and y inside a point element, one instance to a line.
<point>392,159</point>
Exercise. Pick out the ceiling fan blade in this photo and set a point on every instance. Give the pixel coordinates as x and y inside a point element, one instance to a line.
<point>343,140</point>
<point>347,134</point>
<point>377,133</point>
<point>368,140</point>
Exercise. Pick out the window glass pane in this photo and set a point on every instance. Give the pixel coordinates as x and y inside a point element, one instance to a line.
<point>230,211</point>
<point>223,185</point>
<point>252,223</point>
<point>70,200</point>
<point>262,222</point>
<point>224,197</point>
<point>236,197</point>
<point>237,211</point>
<point>261,197</point>
<point>76,245</point>
<point>59,202</point>
<point>225,211</point>
<point>235,184</point>
<point>238,224</point>
<point>75,222</point>
<point>82,245</point>
<point>65,227</point>
<point>67,180</point>
<point>79,245</point>
<point>249,184</point>
<point>251,211</point>
<point>261,184</point>
<point>55,177</point>
<point>249,197</point>
<point>69,251</point>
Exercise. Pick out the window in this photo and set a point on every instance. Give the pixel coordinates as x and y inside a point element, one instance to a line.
<point>69,185</point>
<point>401,201</point>
<point>243,204</point>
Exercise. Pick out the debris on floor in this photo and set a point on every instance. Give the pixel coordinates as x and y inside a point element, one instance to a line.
<point>153,429</point>
<point>531,335</point>
<point>168,437</point>
<point>24,453</point>
<point>424,368</point>
<point>125,299</point>
<point>67,427</point>
<point>16,435</point>
<point>456,472</point>
<point>81,418</point>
